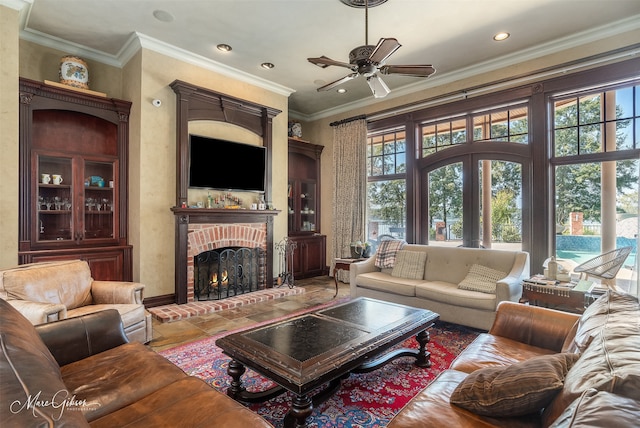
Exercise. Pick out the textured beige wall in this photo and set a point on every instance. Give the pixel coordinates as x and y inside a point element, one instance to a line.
<point>131,89</point>
<point>40,63</point>
<point>9,136</point>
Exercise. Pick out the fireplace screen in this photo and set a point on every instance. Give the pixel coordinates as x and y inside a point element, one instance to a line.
<point>228,272</point>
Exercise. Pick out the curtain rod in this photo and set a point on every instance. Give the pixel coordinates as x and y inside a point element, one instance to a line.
<point>351,119</point>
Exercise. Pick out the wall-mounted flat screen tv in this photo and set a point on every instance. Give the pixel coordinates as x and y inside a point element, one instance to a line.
<point>226,165</point>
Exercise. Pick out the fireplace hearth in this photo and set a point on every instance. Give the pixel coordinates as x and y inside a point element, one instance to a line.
<point>228,272</point>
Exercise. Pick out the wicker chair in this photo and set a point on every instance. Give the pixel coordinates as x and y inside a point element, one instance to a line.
<point>605,266</point>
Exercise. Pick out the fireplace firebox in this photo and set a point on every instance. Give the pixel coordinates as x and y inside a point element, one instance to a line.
<point>228,272</point>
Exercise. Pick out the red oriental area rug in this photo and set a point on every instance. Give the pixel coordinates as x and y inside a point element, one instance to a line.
<point>367,400</point>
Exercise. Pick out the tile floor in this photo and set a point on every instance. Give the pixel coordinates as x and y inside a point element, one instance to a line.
<point>317,291</point>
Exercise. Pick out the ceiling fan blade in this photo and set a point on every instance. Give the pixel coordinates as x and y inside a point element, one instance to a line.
<point>325,62</point>
<point>378,87</point>
<point>383,50</point>
<point>408,70</point>
<point>338,82</point>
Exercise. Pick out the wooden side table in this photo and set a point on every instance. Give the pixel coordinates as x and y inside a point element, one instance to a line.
<point>344,264</point>
<point>555,297</point>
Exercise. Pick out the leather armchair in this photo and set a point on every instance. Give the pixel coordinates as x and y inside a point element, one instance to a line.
<point>50,291</point>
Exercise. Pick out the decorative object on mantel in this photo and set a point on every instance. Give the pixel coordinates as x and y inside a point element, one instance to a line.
<point>74,72</point>
<point>295,129</point>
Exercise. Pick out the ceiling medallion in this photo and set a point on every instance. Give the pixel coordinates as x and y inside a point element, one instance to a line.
<point>361,3</point>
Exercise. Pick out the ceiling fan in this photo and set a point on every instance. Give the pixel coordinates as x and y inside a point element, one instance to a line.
<point>369,61</point>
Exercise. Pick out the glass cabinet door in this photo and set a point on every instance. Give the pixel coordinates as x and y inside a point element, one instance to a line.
<point>54,199</point>
<point>99,197</point>
<point>308,206</point>
<point>291,210</point>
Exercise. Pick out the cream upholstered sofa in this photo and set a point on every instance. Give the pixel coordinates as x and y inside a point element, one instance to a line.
<point>432,281</point>
<point>49,291</point>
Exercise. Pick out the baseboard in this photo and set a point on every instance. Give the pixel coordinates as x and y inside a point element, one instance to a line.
<point>167,299</point>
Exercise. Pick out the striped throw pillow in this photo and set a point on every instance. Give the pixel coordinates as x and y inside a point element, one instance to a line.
<point>516,390</point>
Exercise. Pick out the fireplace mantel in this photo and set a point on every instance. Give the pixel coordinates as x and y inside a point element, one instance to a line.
<point>221,215</point>
<point>187,216</point>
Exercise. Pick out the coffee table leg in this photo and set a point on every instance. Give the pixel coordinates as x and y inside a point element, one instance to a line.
<point>423,359</point>
<point>301,409</point>
<point>235,370</point>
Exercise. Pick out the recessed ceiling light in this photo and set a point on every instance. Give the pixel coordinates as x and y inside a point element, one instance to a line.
<point>267,65</point>
<point>503,35</point>
<point>223,47</point>
<point>162,15</point>
<point>341,91</point>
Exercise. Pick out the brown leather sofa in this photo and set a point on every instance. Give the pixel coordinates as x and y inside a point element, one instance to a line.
<point>82,372</point>
<point>50,291</point>
<point>600,389</point>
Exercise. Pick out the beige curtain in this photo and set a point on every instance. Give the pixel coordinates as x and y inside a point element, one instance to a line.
<point>350,187</point>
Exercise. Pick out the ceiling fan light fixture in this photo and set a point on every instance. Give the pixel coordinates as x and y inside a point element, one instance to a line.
<point>368,60</point>
<point>378,87</point>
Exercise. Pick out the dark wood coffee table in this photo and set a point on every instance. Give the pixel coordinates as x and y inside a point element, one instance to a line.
<point>323,347</point>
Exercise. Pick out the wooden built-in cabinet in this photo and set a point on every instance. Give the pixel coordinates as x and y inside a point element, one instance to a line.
<point>303,214</point>
<point>83,139</point>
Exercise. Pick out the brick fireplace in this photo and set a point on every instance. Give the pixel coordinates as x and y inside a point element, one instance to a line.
<point>206,237</point>
<point>200,229</point>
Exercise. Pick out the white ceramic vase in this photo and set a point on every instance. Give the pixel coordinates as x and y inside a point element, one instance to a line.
<point>74,72</point>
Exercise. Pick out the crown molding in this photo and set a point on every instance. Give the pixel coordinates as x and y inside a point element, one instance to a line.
<point>183,55</point>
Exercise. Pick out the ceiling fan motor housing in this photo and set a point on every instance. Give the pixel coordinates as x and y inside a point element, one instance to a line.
<point>360,58</point>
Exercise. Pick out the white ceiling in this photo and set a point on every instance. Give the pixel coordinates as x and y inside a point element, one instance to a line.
<point>453,35</point>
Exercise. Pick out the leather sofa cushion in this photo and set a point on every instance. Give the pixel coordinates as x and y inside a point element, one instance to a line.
<point>431,408</point>
<point>609,310</point>
<point>30,371</point>
<point>68,283</point>
<point>611,363</point>
<point>118,377</point>
<point>445,292</point>
<point>598,409</point>
<point>488,350</point>
<point>180,404</point>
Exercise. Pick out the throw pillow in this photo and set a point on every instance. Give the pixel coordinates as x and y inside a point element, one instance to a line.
<point>481,278</point>
<point>386,254</point>
<point>516,390</point>
<point>409,264</point>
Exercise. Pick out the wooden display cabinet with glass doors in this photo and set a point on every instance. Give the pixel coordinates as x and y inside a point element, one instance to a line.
<point>73,179</point>
<point>309,257</point>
